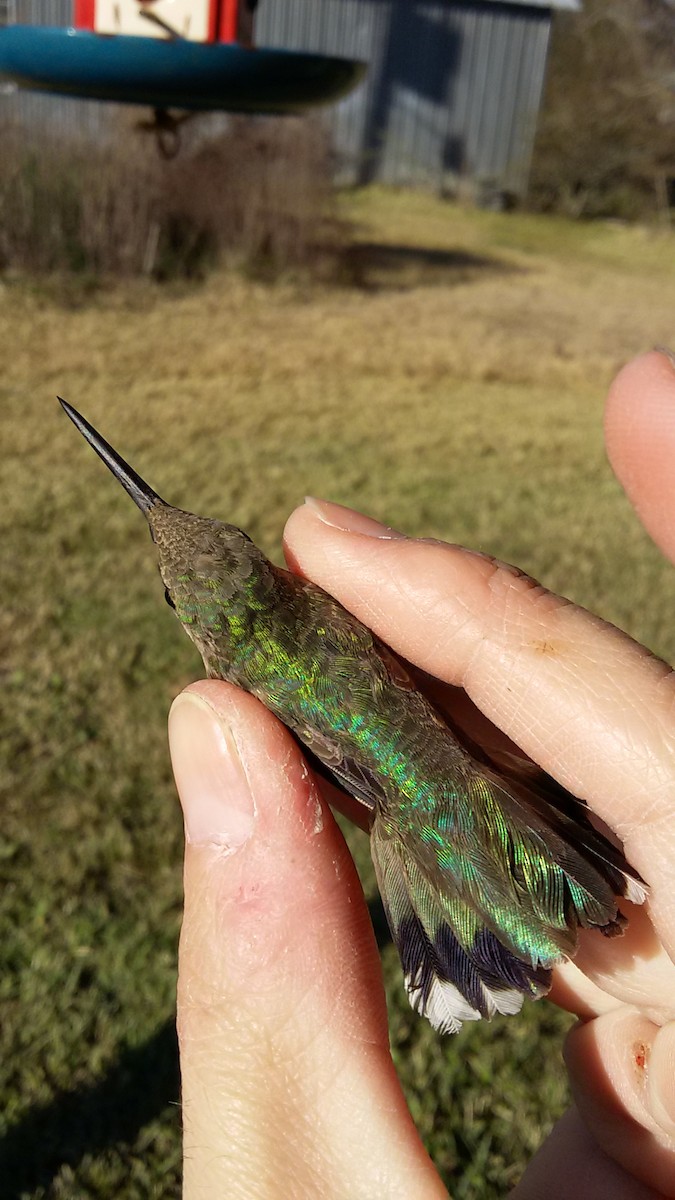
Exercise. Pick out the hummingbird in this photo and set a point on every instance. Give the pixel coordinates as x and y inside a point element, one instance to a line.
<point>487,867</point>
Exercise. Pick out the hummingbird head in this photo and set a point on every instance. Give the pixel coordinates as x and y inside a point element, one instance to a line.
<point>206,566</point>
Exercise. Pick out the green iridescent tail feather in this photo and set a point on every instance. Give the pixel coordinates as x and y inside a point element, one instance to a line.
<point>480,922</point>
<point>448,980</point>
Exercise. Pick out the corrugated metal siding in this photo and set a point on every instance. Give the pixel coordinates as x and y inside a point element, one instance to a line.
<point>451,96</point>
<point>43,12</point>
<point>452,93</point>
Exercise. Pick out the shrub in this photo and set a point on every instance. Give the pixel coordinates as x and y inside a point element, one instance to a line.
<point>254,191</point>
<point>605,145</point>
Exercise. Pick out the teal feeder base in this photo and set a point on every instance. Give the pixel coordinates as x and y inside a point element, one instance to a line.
<point>195,76</point>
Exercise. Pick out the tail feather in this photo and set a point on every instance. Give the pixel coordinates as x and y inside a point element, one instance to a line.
<point>450,977</point>
<point>484,900</point>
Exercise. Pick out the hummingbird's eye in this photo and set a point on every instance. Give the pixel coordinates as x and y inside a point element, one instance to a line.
<point>168,599</point>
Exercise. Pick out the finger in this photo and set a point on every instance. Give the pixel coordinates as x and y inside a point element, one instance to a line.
<point>577,992</point>
<point>621,1071</point>
<point>288,1086</point>
<point>633,969</point>
<point>640,437</point>
<point>570,1163</point>
<point>582,699</point>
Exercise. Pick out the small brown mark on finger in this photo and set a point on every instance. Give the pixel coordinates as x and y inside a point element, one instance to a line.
<point>543,646</point>
<point>640,1055</point>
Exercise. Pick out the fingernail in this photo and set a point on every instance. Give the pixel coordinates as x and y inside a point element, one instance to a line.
<point>214,792</point>
<point>669,354</point>
<point>348,520</point>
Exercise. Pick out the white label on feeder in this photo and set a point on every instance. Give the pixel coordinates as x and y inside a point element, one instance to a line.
<point>134,18</point>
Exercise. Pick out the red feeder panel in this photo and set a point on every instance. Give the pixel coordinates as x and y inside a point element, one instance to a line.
<point>228,25</point>
<point>194,20</point>
<point>85,11</point>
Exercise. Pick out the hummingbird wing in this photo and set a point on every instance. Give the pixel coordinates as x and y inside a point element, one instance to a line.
<point>563,812</point>
<point>539,790</point>
<point>324,750</point>
<point>329,761</point>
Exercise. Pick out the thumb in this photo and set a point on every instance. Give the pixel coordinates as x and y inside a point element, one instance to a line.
<point>288,1087</point>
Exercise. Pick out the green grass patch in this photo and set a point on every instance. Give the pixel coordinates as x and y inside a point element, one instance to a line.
<point>453,387</point>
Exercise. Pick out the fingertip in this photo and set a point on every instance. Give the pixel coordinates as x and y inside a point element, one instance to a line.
<point>640,440</point>
<point>609,1063</point>
<point>254,737</point>
<point>661,1080</point>
<point>423,598</point>
<point>268,877</point>
<point>300,528</point>
<point>318,524</point>
<point>215,795</point>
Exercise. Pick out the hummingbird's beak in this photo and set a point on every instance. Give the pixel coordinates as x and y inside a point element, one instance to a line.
<point>138,489</point>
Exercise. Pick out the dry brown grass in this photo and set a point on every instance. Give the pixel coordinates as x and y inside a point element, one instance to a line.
<point>255,194</point>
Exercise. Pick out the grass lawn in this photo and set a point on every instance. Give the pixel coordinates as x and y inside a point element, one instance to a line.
<point>453,386</point>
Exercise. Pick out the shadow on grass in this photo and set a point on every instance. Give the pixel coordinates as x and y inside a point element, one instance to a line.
<point>374,266</point>
<point>88,1120</point>
<point>91,1119</point>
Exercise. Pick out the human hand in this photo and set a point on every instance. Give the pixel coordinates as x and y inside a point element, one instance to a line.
<point>288,1084</point>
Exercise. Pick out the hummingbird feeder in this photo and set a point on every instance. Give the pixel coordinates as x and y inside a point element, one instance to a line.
<point>187,55</point>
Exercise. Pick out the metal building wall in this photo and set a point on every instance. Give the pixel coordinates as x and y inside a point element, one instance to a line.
<point>452,93</point>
